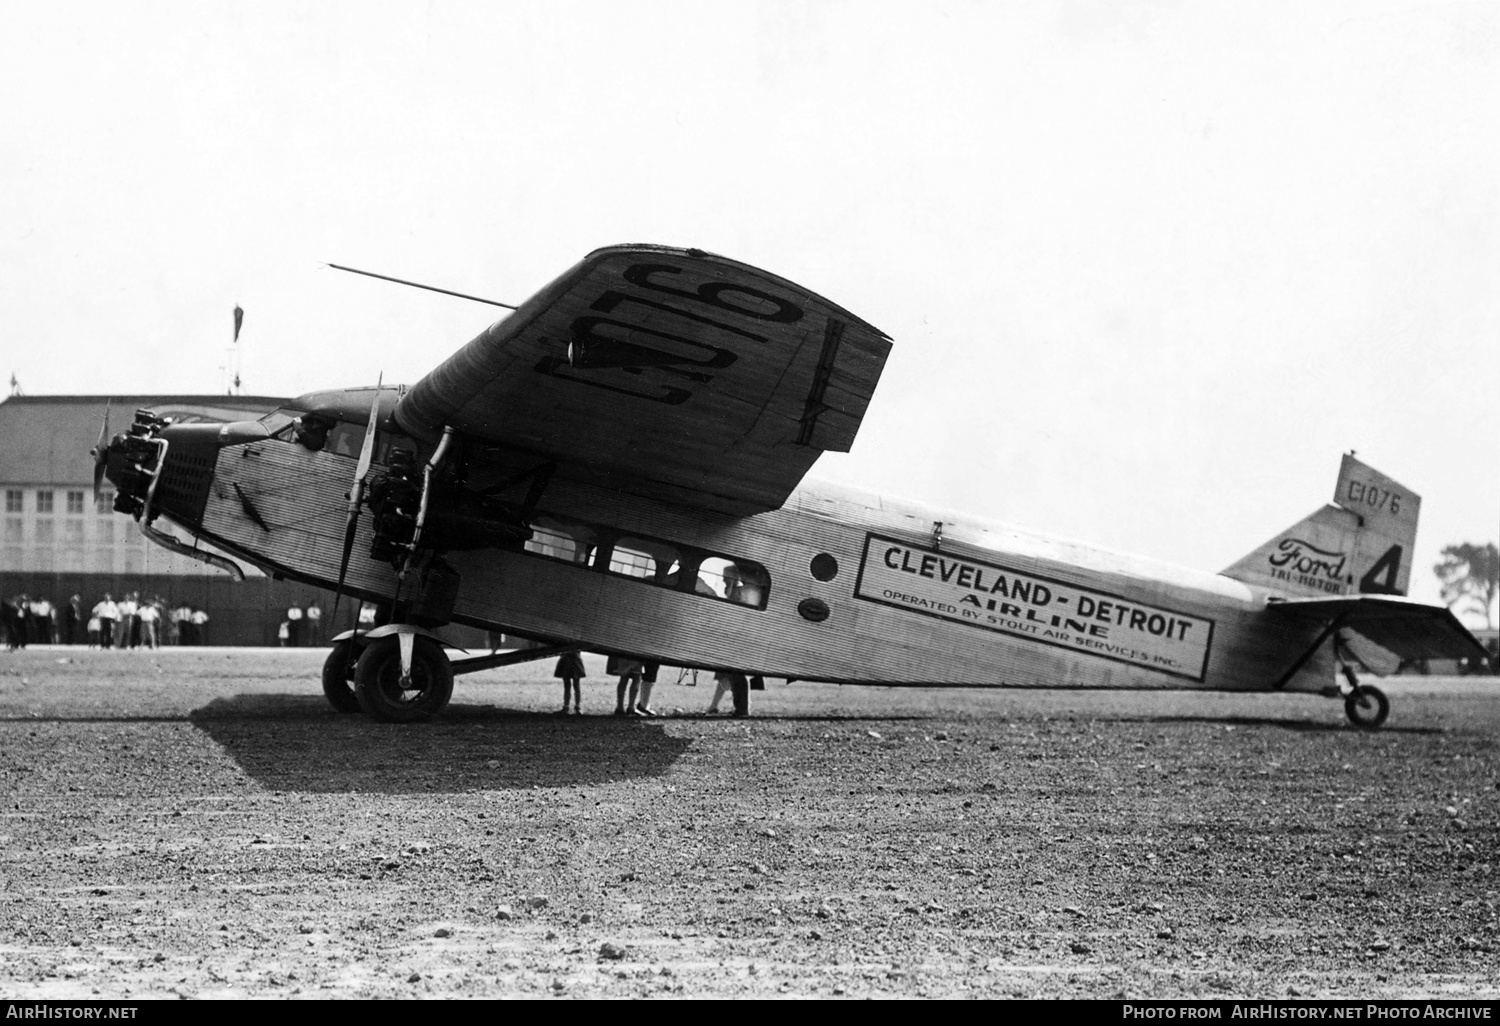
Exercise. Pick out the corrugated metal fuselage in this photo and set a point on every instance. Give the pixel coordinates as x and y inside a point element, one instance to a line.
<point>862,590</point>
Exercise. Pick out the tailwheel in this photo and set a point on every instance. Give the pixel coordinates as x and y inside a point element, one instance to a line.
<point>338,677</point>
<point>1367,707</point>
<point>387,696</point>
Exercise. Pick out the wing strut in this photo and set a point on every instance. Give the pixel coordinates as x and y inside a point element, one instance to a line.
<point>432,464</point>
<point>1333,626</point>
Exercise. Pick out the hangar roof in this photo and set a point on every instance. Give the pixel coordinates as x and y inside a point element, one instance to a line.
<point>45,439</point>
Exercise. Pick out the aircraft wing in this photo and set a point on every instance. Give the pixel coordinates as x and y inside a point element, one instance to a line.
<point>1406,628</point>
<point>668,373</point>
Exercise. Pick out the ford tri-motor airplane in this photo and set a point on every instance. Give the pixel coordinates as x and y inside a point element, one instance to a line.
<point>615,466</point>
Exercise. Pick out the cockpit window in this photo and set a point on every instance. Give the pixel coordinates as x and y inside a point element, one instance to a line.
<point>322,432</point>
<point>311,431</point>
<point>278,422</point>
<point>344,439</point>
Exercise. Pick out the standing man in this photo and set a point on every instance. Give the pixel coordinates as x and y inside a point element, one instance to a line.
<point>182,623</point>
<point>41,620</point>
<point>312,618</point>
<point>10,623</point>
<point>150,616</point>
<point>127,627</point>
<point>199,621</point>
<point>294,625</point>
<point>72,618</point>
<point>109,615</point>
<point>22,620</point>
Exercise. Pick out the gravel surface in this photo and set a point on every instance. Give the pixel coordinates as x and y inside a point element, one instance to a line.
<point>199,823</point>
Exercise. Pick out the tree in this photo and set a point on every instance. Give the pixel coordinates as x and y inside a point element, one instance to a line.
<point>1470,575</point>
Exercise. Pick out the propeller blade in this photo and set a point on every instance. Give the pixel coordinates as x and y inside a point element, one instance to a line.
<point>100,452</point>
<point>338,592</point>
<point>356,498</point>
<point>367,451</point>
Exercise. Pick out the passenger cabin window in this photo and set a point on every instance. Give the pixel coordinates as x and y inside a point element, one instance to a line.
<point>554,539</point>
<point>647,559</point>
<point>738,581</point>
<point>628,559</point>
<point>651,561</point>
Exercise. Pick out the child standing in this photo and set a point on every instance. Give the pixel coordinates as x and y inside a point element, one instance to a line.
<point>570,669</point>
<point>630,681</point>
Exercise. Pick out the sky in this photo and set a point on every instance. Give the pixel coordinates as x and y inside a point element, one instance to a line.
<point>1149,267</point>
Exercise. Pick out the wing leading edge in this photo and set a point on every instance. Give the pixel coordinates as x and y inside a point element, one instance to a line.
<point>668,373</point>
<point>1406,628</point>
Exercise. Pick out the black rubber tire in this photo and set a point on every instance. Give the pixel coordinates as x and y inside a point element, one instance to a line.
<point>1367,707</point>
<point>338,678</point>
<point>377,681</point>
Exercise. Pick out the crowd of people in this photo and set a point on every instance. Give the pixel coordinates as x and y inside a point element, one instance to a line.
<point>303,626</point>
<point>131,622</point>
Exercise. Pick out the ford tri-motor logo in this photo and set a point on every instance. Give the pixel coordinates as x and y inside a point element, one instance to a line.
<point>1293,555</point>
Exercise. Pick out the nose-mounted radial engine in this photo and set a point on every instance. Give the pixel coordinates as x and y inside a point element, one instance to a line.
<point>133,461</point>
<point>148,483</point>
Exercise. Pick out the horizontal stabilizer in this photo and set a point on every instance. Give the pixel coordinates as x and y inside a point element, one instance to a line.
<point>1409,629</point>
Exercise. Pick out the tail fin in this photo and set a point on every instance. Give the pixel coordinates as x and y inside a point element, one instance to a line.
<point>1361,543</point>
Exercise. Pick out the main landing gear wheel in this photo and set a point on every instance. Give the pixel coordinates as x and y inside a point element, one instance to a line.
<point>338,677</point>
<point>385,696</point>
<point>1367,707</point>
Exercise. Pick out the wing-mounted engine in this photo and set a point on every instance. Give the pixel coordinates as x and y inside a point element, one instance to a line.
<point>420,515</point>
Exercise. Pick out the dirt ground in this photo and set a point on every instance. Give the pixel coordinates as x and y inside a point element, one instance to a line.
<point>199,823</point>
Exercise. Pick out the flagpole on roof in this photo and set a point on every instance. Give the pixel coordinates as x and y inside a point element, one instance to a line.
<point>239,320</point>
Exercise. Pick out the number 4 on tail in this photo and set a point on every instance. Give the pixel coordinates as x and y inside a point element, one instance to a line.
<point>1381,579</point>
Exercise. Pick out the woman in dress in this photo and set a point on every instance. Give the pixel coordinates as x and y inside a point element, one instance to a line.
<point>570,669</point>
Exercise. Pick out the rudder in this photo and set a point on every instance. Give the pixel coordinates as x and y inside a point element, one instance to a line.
<point>1361,543</point>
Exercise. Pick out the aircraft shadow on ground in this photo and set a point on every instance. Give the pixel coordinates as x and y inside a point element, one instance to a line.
<point>296,743</point>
